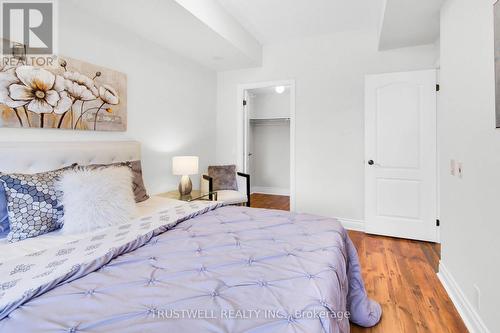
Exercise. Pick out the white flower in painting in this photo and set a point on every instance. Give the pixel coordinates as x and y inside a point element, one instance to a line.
<point>82,80</point>
<point>78,86</point>
<point>108,95</point>
<point>35,89</point>
<point>77,91</point>
<point>64,103</point>
<point>7,78</point>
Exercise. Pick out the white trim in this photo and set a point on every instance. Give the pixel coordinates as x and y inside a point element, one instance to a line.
<point>438,158</point>
<point>351,224</point>
<point>240,130</point>
<point>469,315</point>
<point>270,190</point>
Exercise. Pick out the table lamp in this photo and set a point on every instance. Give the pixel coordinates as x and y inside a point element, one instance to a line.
<point>185,166</point>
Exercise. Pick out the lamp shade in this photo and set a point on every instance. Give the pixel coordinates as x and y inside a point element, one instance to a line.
<point>185,165</point>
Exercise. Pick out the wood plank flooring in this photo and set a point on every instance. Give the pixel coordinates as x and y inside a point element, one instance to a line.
<point>401,275</point>
<point>280,202</point>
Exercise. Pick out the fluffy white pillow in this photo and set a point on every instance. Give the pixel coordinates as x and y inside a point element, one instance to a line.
<point>96,198</point>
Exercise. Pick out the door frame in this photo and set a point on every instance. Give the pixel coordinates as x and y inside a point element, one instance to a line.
<point>242,125</point>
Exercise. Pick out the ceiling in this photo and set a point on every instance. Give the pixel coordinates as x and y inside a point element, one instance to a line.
<point>201,31</point>
<point>272,21</point>
<point>410,23</point>
<point>229,34</point>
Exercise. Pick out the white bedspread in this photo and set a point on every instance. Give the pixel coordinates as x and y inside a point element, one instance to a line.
<point>30,245</point>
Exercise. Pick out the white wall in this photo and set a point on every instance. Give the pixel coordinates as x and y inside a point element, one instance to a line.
<point>470,211</point>
<point>171,101</point>
<point>270,161</point>
<point>329,73</point>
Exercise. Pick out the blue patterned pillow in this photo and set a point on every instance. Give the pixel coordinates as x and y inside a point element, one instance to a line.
<point>33,204</point>
<point>4,217</point>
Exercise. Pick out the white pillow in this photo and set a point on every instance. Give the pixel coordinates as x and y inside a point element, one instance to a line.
<point>96,198</point>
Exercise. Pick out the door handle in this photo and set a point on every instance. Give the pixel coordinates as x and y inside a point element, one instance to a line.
<point>370,162</point>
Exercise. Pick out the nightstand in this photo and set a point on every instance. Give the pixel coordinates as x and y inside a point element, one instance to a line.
<point>195,195</point>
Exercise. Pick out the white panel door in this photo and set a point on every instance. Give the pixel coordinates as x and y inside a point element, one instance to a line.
<point>400,168</point>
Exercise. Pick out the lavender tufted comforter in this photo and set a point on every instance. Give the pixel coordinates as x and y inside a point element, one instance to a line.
<point>229,269</point>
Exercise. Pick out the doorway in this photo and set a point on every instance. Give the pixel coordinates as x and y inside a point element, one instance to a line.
<point>266,135</point>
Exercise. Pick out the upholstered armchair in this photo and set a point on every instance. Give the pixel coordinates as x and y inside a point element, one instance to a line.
<point>231,197</point>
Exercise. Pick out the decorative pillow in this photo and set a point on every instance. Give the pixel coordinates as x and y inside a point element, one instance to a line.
<point>96,198</point>
<point>138,187</point>
<point>4,215</point>
<point>224,177</point>
<point>33,203</point>
<point>140,192</point>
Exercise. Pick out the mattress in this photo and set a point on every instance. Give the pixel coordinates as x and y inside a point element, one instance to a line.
<point>19,249</point>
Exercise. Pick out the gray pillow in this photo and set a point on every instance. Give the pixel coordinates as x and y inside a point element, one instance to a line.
<point>138,187</point>
<point>33,204</point>
<point>224,177</point>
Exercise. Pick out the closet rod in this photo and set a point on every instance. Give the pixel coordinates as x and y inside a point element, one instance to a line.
<point>254,120</point>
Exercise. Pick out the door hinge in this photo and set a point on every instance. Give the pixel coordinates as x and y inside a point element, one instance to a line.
<point>244,103</point>
<point>438,87</point>
<point>438,223</point>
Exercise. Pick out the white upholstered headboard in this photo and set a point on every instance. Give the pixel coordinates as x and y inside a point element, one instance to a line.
<point>32,157</point>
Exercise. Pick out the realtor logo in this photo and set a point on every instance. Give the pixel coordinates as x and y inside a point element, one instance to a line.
<point>27,28</point>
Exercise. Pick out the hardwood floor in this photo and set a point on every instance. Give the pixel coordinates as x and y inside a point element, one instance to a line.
<point>280,202</point>
<point>401,275</point>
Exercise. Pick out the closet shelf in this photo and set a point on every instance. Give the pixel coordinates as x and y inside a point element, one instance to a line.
<point>268,120</point>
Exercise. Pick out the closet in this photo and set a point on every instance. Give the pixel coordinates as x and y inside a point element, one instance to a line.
<point>269,139</point>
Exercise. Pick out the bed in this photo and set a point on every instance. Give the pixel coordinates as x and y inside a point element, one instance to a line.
<point>179,267</point>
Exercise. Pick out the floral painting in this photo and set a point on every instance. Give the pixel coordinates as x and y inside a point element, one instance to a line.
<point>69,94</point>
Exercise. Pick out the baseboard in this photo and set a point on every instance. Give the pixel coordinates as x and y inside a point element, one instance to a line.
<point>350,224</point>
<point>469,315</point>
<point>270,190</point>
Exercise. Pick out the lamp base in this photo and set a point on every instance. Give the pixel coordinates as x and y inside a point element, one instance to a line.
<point>185,186</point>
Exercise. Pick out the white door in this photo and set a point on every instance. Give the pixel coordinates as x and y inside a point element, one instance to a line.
<point>400,168</point>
